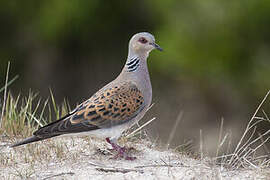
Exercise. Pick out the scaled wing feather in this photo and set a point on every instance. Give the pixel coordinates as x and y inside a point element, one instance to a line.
<point>111,106</point>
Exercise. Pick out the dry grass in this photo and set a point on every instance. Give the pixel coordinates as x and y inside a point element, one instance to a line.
<point>247,154</point>
<point>20,116</point>
<point>88,158</point>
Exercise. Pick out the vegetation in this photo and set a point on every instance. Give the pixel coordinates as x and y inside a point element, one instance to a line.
<point>22,115</point>
<point>214,52</point>
<point>208,42</point>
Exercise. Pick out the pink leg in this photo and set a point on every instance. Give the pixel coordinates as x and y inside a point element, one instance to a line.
<point>121,151</point>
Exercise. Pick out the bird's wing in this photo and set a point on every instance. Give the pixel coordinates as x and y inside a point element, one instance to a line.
<point>111,106</point>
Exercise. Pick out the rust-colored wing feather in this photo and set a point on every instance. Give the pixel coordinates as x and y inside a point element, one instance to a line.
<point>108,107</point>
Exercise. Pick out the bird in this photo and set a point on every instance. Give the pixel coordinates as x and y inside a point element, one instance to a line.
<point>115,107</point>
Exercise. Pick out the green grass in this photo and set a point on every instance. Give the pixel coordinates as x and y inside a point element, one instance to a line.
<point>22,115</point>
<point>19,116</point>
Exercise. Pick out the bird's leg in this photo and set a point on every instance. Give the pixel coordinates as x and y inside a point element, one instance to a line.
<point>122,151</point>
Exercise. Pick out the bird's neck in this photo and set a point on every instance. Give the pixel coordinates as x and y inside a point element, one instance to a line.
<point>136,70</point>
<point>136,63</point>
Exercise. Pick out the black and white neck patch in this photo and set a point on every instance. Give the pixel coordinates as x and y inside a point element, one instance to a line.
<point>133,64</point>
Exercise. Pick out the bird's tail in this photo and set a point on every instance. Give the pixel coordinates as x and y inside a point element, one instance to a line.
<point>30,140</point>
<point>27,140</point>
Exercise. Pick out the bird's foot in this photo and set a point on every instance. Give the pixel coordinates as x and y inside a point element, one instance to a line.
<point>121,151</point>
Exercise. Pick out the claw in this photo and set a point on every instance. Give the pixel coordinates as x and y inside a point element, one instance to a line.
<point>121,151</point>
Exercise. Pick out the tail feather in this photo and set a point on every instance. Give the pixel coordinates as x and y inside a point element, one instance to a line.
<point>30,140</point>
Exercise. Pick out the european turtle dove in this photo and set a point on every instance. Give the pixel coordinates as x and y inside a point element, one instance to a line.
<point>115,107</point>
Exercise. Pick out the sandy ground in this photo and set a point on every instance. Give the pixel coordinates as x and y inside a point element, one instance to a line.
<point>85,158</point>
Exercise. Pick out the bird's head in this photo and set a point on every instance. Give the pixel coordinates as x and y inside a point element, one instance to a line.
<point>143,43</point>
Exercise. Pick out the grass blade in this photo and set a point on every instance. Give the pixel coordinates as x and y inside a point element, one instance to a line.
<point>5,95</point>
<point>9,83</point>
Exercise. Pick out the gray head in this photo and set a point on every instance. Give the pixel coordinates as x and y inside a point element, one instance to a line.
<point>142,43</point>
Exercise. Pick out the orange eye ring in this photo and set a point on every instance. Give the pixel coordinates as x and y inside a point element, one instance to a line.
<point>142,40</point>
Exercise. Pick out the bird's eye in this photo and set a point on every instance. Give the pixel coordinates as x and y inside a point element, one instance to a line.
<point>143,40</point>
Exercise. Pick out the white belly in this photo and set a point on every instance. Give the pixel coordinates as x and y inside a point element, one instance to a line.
<point>112,132</point>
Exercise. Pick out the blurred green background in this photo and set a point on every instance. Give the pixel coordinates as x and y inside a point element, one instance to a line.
<point>215,64</point>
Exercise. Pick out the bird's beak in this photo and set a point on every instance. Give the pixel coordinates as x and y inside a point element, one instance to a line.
<point>156,46</point>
